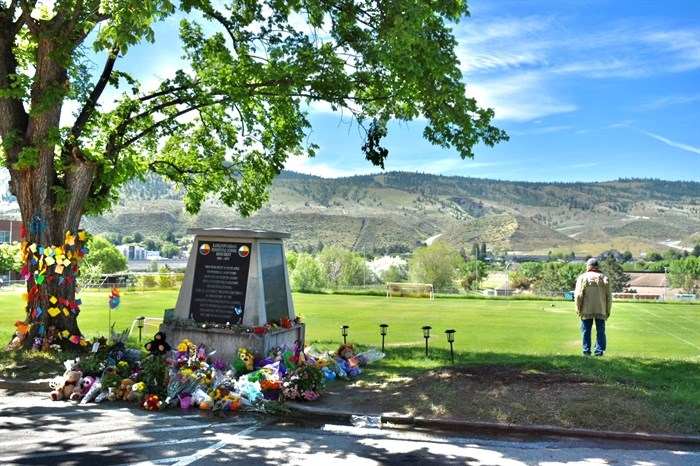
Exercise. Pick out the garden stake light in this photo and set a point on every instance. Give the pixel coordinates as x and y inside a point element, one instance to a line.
<point>344,331</point>
<point>139,323</point>
<point>426,335</point>
<point>451,338</point>
<point>382,331</point>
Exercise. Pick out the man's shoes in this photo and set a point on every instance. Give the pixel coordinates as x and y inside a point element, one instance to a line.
<point>587,354</point>
<point>599,354</point>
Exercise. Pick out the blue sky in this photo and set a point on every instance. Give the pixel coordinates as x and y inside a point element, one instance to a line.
<point>587,91</point>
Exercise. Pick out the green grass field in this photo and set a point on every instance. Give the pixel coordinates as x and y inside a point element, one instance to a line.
<point>647,381</point>
<point>643,329</point>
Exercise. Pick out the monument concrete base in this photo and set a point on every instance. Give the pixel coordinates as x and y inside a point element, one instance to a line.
<point>226,343</point>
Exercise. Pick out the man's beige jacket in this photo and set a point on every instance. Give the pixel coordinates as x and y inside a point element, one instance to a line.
<point>593,296</point>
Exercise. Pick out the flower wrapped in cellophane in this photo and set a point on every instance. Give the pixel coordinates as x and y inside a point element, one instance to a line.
<point>180,383</point>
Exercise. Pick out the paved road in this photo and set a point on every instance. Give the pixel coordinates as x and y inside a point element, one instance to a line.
<point>37,431</point>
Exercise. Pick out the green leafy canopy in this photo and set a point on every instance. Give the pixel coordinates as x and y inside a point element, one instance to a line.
<point>226,123</point>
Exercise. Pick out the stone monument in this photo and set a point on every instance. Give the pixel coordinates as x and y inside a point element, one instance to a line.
<point>235,294</point>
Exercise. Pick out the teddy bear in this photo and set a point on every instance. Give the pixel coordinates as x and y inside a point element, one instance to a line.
<point>158,345</point>
<point>62,388</point>
<point>49,338</point>
<point>136,392</point>
<point>82,388</point>
<point>121,392</point>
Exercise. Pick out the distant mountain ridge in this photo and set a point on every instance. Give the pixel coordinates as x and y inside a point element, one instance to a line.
<point>396,211</point>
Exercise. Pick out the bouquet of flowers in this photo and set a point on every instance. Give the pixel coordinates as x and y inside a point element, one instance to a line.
<point>191,355</point>
<point>303,383</point>
<point>185,350</point>
<point>268,380</point>
<point>225,399</point>
<point>184,381</point>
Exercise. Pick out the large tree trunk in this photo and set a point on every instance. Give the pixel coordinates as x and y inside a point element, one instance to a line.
<point>51,269</point>
<point>53,248</point>
<point>51,181</point>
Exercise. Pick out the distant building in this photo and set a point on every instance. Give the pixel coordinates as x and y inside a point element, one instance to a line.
<point>652,283</point>
<point>10,231</point>
<point>132,252</point>
<point>153,256</point>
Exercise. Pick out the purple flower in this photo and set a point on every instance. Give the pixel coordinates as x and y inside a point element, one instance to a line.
<point>219,365</point>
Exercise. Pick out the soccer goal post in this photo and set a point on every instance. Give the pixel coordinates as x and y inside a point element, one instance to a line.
<point>412,290</point>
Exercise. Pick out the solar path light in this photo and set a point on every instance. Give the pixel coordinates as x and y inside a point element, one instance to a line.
<point>451,338</point>
<point>139,322</point>
<point>382,331</point>
<point>426,335</point>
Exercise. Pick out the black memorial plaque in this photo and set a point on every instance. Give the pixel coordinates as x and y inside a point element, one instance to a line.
<point>274,282</point>
<point>220,282</point>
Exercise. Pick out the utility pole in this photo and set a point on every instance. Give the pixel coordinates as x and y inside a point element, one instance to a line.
<point>507,278</point>
<point>477,268</point>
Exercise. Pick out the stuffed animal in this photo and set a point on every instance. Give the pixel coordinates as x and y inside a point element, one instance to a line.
<point>92,393</point>
<point>49,338</point>
<point>121,392</point>
<point>158,345</point>
<point>18,337</point>
<point>63,387</point>
<point>16,341</point>
<point>347,361</point>
<point>37,344</point>
<point>245,361</point>
<point>328,373</point>
<point>82,388</point>
<point>136,392</point>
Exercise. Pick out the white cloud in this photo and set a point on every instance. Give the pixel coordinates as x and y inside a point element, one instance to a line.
<point>680,47</point>
<point>669,101</point>
<point>310,166</point>
<point>523,97</point>
<point>543,130</point>
<point>624,124</point>
<point>521,66</point>
<point>677,145</point>
<point>442,166</point>
<point>584,165</point>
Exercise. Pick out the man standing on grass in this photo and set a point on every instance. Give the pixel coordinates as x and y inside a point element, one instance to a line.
<point>593,302</point>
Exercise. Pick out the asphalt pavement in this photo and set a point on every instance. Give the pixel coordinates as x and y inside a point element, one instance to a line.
<point>310,411</point>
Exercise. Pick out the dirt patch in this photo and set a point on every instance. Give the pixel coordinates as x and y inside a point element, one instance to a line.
<point>493,393</point>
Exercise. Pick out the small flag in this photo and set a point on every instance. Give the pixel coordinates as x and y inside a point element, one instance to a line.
<point>114,298</point>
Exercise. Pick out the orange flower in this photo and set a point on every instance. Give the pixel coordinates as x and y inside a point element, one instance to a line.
<point>269,384</point>
<point>285,322</point>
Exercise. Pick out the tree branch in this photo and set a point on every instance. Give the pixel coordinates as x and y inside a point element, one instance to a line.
<point>153,166</point>
<point>162,122</point>
<point>91,102</point>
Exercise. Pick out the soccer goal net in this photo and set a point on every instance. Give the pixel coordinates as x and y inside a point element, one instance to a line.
<point>411,290</point>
